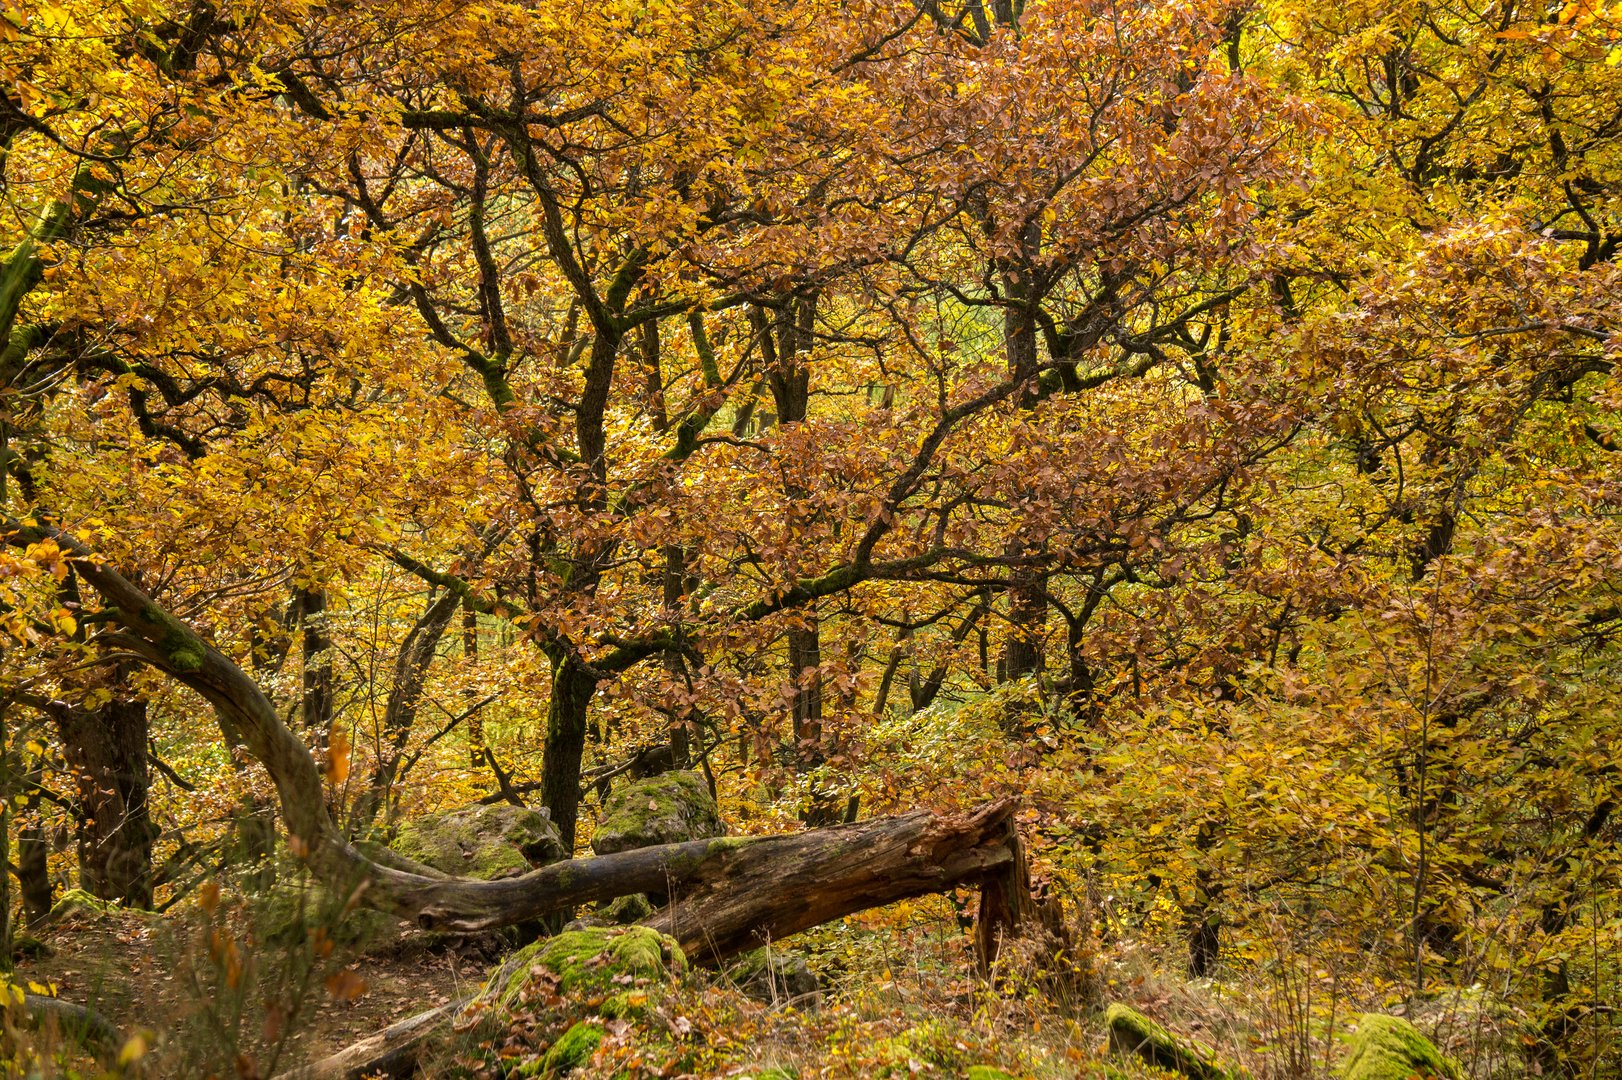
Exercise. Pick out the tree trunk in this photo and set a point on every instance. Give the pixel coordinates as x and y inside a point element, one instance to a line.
<point>106,748</point>
<point>392,1052</point>
<point>804,661</point>
<point>572,690</point>
<point>316,674</point>
<point>33,851</point>
<point>1027,618</point>
<point>736,895</point>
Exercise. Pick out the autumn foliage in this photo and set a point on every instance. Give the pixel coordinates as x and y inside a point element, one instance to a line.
<point>1195,420</point>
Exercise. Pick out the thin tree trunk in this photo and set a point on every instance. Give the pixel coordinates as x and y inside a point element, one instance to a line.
<point>316,674</point>
<point>33,852</point>
<point>573,687</point>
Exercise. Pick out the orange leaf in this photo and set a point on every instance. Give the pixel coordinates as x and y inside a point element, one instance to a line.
<point>346,985</point>
<point>338,759</point>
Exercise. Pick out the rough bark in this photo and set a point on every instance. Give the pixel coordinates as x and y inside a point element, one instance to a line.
<point>107,750</point>
<point>316,674</point>
<point>746,892</point>
<point>732,895</point>
<point>566,714</point>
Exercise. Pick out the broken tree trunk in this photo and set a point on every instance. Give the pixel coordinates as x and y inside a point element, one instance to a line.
<point>392,1052</point>
<point>750,892</point>
<point>732,895</point>
<point>735,894</point>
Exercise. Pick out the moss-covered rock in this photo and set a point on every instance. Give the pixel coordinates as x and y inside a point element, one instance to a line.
<point>987,1072</point>
<point>1390,1048</point>
<point>773,1072</point>
<point>78,904</point>
<point>481,841</point>
<point>626,910</point>
<point>590,961</point>
<point>664,809</point>
<point>31,947</point>
<point>572,1049</point>
<point>626,1005</point>
<point>773,975</point>
<point>1131,1032</point>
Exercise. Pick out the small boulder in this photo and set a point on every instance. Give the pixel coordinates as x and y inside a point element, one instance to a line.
<point>626,910</point>
<point>481,841</point>
<point>664,809</point>
<point>593,961</point>
<point>987,1072</point>
<point>1390,1048</point>
<point>773,975</point>
<point>1131,1032</point>
<point>79,904</point>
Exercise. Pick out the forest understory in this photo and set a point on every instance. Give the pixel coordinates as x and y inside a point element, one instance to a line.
<point>977,539</point>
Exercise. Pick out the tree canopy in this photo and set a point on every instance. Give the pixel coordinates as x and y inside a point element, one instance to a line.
<point>1194,420</point>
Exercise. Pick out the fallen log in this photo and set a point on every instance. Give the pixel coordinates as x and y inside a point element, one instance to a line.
<point>731,892</point>
<point>80,1024</point>
<point>392,1052</point>
<point>732,895</point>
<point>758,891</point>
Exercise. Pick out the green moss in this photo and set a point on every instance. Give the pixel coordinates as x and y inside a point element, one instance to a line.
<point>665,809</point>
<point>589,960</point>
<point>79,902</point>
<point>573,1049</point>
<point>774,1072</point>
<point>1390,1048</point>
<point>626,1005</point>
<point>480,841</point>
<point>184,650</point>
<point>627,910</point>
<point>30,946</point>
<point>1130,1032</point>
<point>931,1043</point>
<point>987,1072</point>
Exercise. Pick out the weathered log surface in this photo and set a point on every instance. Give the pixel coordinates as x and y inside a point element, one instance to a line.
<point>731,895</point>
<point>752,892</point>
<point>392,1052</point>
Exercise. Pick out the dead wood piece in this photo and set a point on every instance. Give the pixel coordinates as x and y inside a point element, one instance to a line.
<point>760,891</point>
<point>392,1052</point>
<point>84,1026</point>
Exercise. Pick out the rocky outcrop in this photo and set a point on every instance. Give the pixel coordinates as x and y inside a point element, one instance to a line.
<point>595,960</point>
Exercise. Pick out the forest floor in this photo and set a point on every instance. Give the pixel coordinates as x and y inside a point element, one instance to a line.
<point>139,971</point>
<point>899,998</point>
